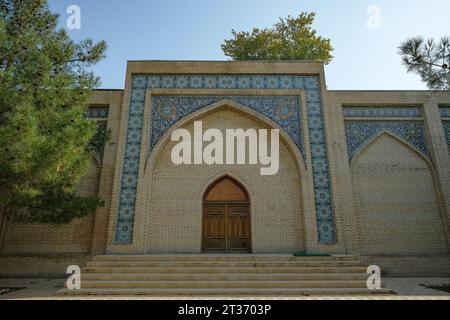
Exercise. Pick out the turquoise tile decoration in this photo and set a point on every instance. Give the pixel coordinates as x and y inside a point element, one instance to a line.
<point>446,125</point>
<point>359,133</point>
<point>445,115</point>
<point>98,142</point>
<point>382,112</point>
<point>284,110</point>
<point>97,112</point>
<point>445,112</point>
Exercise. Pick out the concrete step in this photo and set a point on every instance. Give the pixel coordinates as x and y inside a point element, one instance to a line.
<point>218,264</point>
<point>208,257</point>
<point>242,292</point>
<point>222,270</point>
<point>221,277</point>
<point>220,284</point>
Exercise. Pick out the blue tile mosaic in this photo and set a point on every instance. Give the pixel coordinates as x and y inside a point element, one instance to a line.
<point>382,112</point>
<point>446,125</point>
<point>445,114</point>
<point>444,111</point>
<point>283,110</point>
<point>99,139</point>
<point>97,112</point>
<point>176,107</point>
<point>358,133</point>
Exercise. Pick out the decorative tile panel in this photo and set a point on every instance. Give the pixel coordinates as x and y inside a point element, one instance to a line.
<point>98,140</point>
<point>382,112</point>
<point>445,115</point>
<point>283,110</point>
<point>444,111</point>
<point>446,125</point>
<point>176,109</point>
<point>97,112</point>
<point>359,133</point>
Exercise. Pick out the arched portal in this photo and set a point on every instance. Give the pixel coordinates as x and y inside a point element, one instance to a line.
<point>226,218</point>
<point>169,215</point>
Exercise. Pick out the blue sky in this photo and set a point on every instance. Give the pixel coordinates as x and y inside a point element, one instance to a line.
<point>365,59</point>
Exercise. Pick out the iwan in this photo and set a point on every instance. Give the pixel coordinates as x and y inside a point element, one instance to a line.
<point>236,144</point>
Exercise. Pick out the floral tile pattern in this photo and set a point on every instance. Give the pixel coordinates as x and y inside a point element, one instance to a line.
<point>445,115</point>
<point>97,112</point>
<point>178,106</point>
<point>283,110</point>
<point>98,140</point>
<point>445,111</point>
<point>359,133</point>
<point>446,125</point>
<point>382,112</point>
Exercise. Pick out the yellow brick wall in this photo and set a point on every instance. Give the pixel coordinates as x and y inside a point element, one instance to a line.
<point>395,196</point>
<point>174,215</point>
<point>387,182</point>
<point>48,239</point>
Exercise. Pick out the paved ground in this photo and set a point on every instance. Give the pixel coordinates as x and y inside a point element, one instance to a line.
<point>406,288</point>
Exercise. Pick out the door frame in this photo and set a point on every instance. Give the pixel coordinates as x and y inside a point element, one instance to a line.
<point>248,203</point>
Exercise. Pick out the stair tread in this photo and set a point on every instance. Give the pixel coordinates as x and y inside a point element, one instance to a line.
<point>225,291</point>
<point>227,274</point>
<point>224,275</point>
<point>224,281</point>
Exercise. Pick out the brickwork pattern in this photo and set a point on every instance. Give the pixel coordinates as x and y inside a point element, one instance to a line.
<point>43,238</point>
<point>406,197</point>
<point>174,215</point>
<point>394,193</point>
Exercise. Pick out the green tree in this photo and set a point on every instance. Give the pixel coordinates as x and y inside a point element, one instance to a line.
<point>289,39</point>
<point>45,84</point>
<point>429,59</point>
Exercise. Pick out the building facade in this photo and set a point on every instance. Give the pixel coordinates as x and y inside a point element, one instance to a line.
<point>364,173</point>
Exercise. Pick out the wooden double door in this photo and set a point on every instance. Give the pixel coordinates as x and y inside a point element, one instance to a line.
<point>226,218</point>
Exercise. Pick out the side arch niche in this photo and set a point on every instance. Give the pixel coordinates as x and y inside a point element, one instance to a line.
<point>396,198</point>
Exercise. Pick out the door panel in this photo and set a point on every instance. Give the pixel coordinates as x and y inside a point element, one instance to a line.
<point>238,228</point>
<point>214,227</point>
<point>226,227</point>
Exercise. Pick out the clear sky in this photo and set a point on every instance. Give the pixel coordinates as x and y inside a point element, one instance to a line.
<point>365,58</point>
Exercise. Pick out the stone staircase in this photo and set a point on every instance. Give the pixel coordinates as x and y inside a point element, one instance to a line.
<point>223,275</point>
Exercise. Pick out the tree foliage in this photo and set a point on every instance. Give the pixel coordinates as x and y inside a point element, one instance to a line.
<point>45,84</point>
<point>289,39</point>
<point>429,59</point>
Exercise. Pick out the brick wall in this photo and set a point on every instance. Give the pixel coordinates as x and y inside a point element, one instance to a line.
<point>395,196</point>
<point>391,205</point>
<point>48,239</point>
<point>174,214</point>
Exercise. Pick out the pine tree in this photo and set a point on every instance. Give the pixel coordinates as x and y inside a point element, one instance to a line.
<point>45,84</point>
<point>429,59</point>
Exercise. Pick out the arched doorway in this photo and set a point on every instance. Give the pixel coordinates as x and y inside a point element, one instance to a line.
<point>226,218</point>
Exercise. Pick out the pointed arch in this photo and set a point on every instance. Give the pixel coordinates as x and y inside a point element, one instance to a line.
<point>226,189</point>
<point>390,134</point>
<point>226,218</point>
<point>163,182</point>
<point>232,105</point>
<point>211,181</point>
<point>397,198</point>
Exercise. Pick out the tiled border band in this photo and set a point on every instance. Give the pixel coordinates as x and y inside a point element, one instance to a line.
<point>311,86</point>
